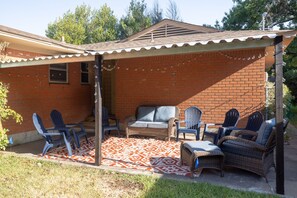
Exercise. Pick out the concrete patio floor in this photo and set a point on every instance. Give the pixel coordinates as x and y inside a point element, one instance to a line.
<point>233,178</point>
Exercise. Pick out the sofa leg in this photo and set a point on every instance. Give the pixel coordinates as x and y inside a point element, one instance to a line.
<point>127,132</point>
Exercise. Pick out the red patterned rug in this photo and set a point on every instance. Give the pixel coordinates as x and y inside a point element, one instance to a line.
<point>134,153</point>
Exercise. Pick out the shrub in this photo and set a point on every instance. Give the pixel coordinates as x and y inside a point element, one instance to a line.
<point>287,100</point>
<point>5,114</point>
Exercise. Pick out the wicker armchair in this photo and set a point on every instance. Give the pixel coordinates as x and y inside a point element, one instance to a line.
<point>248,154</point>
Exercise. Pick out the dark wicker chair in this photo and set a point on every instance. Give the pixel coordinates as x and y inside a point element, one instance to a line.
<point>231,119</point>
<point>253,156</point>
<point>192,123</point>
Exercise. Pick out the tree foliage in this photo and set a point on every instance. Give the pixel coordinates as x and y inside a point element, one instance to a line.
<point>84,26</point>
<point>137,19</point>
<point>5,113</point>
<point>172,11</point>
<point>247,14</point>
<point>103,25</point>
<point>244,15</point>
<point>290,70</point>
<point>72,26</point>
<point>156,13</point>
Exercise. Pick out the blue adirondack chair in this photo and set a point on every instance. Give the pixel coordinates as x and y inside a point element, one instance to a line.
<point>58,122</point>
<point>253,124</point>
<point>50,140</point>
<point>106,127</point>
<point>192,123</point>
<point>231,119</point>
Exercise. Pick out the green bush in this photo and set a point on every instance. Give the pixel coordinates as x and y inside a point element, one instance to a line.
<point>3,139</point>
<point>287,100</point>
<point>5,114</point>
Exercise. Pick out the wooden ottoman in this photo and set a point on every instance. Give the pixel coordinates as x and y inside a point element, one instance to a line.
<point>209,155</point>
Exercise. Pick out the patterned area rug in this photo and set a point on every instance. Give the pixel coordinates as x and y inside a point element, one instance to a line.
<point>134,153</point>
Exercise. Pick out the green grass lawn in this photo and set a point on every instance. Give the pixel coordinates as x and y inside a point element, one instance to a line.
<point>24,177</point>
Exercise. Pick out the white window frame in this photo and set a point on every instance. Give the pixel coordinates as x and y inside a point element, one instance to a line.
<point>84,72</point>
<point>57,69</point>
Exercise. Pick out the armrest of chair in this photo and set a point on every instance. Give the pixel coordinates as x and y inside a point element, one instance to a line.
<point>234,128</point>
<point>52,134</point>
<point>80,125</point>
<point>252,144</point>
<point>116,120</point>
<point>206,125</point>
<point>173,121</point>
<point>129,119</point>
<point>177,122</point>
<point>246,132</point>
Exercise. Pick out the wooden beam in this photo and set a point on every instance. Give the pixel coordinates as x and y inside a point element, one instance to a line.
<point>98,110</point>
<point>279,115</point>
<point>191,49</point>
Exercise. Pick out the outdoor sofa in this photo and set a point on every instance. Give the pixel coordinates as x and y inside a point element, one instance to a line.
<point>156,121</point>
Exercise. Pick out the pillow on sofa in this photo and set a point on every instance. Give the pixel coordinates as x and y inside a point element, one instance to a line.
<point>265,131</point>
<point>146,114</point>
<point>164,113</point>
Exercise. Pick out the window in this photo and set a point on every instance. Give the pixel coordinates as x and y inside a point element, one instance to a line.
<point>84,73</point>
<point>58,73</point>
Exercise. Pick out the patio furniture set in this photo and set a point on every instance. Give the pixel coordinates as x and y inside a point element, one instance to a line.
<point>250,148</point>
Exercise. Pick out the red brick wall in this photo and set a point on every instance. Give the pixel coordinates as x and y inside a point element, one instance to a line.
<point>211,81</point>
<point>31,92</point>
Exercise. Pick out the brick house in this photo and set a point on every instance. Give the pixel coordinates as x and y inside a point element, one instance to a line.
<point>170,63</point>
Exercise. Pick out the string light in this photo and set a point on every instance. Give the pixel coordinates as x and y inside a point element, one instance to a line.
<point>244,58</point>
<point>159,69</point>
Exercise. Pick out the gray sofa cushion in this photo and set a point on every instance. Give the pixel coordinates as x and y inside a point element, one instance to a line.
<point>146,114</point>
<point>265,131</point>
<point>164,113</point>
<point>138,124</point>
<point>158,125</point>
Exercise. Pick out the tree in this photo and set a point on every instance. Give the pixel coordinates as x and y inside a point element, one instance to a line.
<point>3,46</point>
<point>172,11</point>
<point>156,13</point>
<point>6,113</point>
<point>290,70</point>
<point>136,19</point>
<point>84,26</point>
<point>103,25</point>
<point>247,14</point>
<point>72,27</point>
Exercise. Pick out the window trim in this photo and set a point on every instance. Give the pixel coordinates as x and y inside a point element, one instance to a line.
<point>57,69</point>
<point>84,72</point>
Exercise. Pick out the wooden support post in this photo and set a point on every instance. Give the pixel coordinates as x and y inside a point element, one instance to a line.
<point>98,110</point>
<point>279,115</point>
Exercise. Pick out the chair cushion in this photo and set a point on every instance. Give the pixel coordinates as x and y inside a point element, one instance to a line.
<point>146,114</point>
<point>265,131</point>
<point>158,125</point>
<point>201,146</point>
<point>239,148</point>
<point>139,124</point>
<point>164,113</point>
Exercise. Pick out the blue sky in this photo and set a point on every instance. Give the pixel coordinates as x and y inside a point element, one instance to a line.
<point>34,15</point>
